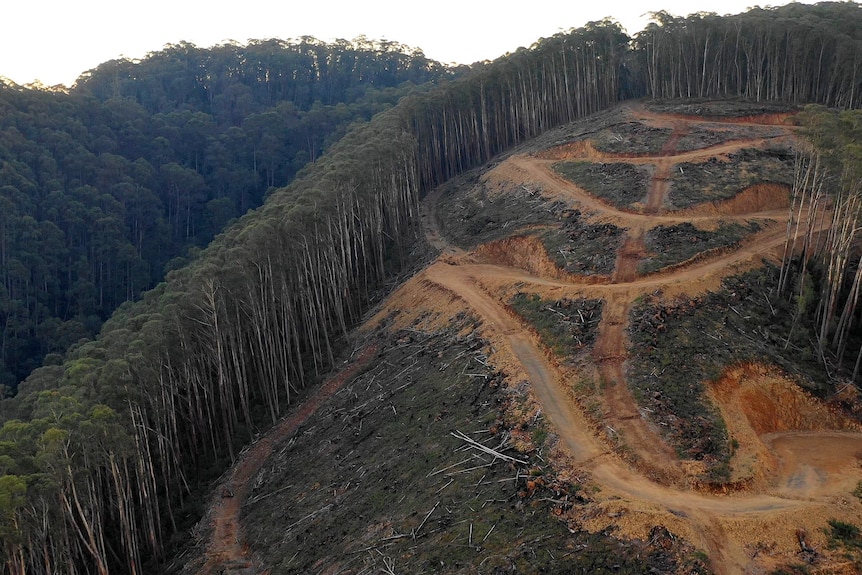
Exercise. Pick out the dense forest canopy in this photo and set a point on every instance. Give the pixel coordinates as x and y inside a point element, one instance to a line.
<point>795,53</point>
<point>102,187</point>
<point>103,450</point>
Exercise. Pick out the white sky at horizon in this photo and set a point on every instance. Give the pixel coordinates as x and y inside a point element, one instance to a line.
<point>55,41</point>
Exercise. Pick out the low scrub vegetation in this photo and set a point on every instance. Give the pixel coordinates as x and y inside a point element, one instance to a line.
<point>619,184</point>
<point>699,137</point>
<point>719,108</point>
<point>631,138</point>
<point>400,485</point>
<point>678,345</point>
<point>566,326</point>
<point>671,245</point>
<point>844,534</point>
<point>716,179</point>
<point>580,247</point>
<point>471,214</point>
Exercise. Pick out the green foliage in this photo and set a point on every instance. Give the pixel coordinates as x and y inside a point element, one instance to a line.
<point>107,181</point>
<point>102,187</point>
<point>844,534</point>
<point>793,53</point>
<point>13,497</point>
<point>538,437</point>
<point>837,137</point>
<point>232,81</point>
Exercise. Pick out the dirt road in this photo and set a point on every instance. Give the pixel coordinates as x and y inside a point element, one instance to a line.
<point>226,550</point>
<point>643,485</point>
<point>651,480</point>
<point>813,467</point>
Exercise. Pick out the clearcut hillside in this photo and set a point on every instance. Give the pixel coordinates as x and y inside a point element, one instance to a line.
<point>591,374</point>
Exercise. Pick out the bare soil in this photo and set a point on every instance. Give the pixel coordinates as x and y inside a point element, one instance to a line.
<point>797,466</point>
<point>797,460</point>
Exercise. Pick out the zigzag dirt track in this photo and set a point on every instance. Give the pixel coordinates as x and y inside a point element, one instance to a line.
<point>810,469</point>
<point>653,483</point>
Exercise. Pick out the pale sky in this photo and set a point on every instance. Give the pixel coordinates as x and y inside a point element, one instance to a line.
<point>54,41</point>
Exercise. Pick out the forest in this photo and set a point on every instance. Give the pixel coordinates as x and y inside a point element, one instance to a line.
<point>186,239</point>
<point>107,187</point>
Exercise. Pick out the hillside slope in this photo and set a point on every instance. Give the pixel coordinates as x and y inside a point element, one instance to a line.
<point>128,430</point>
<point>523,339</point>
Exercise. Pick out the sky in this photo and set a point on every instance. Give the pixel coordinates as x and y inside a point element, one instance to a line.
<point>55,41</point>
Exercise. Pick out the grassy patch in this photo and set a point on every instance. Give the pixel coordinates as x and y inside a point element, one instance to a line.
<point>566,326</point>
<point>847,537</point>
<point>671,245</point>
<point>619,184</point>
<point>847,534</point>
<point>631,138</point>
<point>583,248</point>
<point>793,569</point>
<point>716,180</point>
<point>377,482</point>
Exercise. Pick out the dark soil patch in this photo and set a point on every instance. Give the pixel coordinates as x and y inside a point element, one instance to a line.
<point>716,180</point>
<point>582,248</point>
<point>672,245</point>
<point>377,481</point>
<point>700,137</point>
<point>631,138</point>
<point>566,326</point>
<point>471,214</point>
<point>619,184</point>
<point>712,108</point>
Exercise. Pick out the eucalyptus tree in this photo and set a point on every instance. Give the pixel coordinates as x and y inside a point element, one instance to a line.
<point>822,251</point>
<point>177,381</point>
<point>791,53</point>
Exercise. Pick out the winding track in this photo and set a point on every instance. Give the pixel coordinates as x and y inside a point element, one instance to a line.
<point>656,479</point>
<point>654,483</point>
<point>226,550</point>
